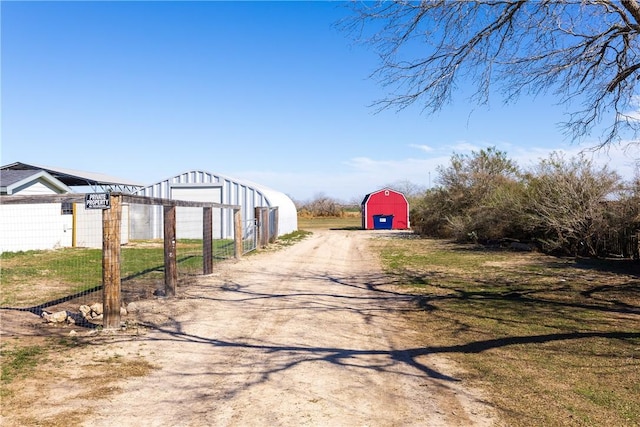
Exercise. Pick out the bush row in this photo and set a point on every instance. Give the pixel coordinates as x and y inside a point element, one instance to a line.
<point>563,206</point>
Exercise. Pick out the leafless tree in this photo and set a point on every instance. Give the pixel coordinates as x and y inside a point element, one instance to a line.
<point>322,206</point>
<point>470,199</point>
<point>568,203</point>
<point>584,52</point>
<point>410,190</point>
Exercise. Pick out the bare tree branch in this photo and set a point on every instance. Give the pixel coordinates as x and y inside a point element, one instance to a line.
<point>585,53</point>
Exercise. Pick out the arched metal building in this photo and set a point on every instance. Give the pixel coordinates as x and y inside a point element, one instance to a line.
<point>202,186</point>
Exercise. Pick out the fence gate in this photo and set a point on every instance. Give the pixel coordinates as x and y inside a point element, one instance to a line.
<point>249,236</point>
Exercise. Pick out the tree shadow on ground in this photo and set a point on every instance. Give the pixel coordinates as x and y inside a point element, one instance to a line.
<point>277,358</point>
<point>616,266</point>
<point>370,295</point>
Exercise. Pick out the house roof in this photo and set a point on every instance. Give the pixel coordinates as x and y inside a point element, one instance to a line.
<point>73,178</point>
<point>10,177</point>
<point>11,180</point>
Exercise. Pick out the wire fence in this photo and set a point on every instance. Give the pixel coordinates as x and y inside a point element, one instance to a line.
<point>623,244</point>
<point>60,255</point>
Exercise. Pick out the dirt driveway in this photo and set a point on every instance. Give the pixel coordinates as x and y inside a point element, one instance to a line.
<point>308,335</point>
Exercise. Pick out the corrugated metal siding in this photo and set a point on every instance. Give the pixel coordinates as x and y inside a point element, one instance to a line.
<point>234,192</point>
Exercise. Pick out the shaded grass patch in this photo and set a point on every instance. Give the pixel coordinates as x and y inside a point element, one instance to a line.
<point>347,222</point>
<point>19,361</point>
<point>555,341</point>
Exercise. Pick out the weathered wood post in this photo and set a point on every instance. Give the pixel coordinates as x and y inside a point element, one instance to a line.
<point>207,240</point>
<point>266,227</point>
<point>257,212</point>
<point>170,266</point>
<point>237,232</point>
<point>276,221</point>
<point>111,296</point>
<point>262,218</point>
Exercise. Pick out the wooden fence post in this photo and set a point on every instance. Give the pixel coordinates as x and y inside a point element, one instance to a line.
<point>170,267</point>
<point>207,240</point>
<point>111,296</point>
<point>237,232</point>
<point>267,226</point>
<point>257,212</point>
<point>262,218</point>
<point>276,221</point>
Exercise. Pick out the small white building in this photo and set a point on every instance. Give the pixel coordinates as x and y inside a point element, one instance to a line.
<point>40,226</point>
<point>33,226</point>
<point>202,186</point>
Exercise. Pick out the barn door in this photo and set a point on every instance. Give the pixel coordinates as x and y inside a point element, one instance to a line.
<point>189,220</point>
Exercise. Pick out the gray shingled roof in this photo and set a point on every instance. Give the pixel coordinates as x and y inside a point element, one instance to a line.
<point>12,180</point>
<point>74,178</point>
<point>10,177</point>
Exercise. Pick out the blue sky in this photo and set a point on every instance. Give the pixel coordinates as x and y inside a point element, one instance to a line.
<point>269,92</point>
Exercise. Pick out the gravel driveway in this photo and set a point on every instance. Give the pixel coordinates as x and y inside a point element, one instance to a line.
<point>308,335</point>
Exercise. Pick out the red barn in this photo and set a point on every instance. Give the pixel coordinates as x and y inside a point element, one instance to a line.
<point>385,209</point>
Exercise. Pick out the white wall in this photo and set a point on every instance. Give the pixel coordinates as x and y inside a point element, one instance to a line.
<point>41,226</point>
<point>26,227</point>
<point>89,226</point>
<point>31,227</point>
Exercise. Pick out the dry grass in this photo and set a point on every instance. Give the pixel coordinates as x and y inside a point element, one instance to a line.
<point>555,341</point>
<point>348,222</point>
<point>62,373</point>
